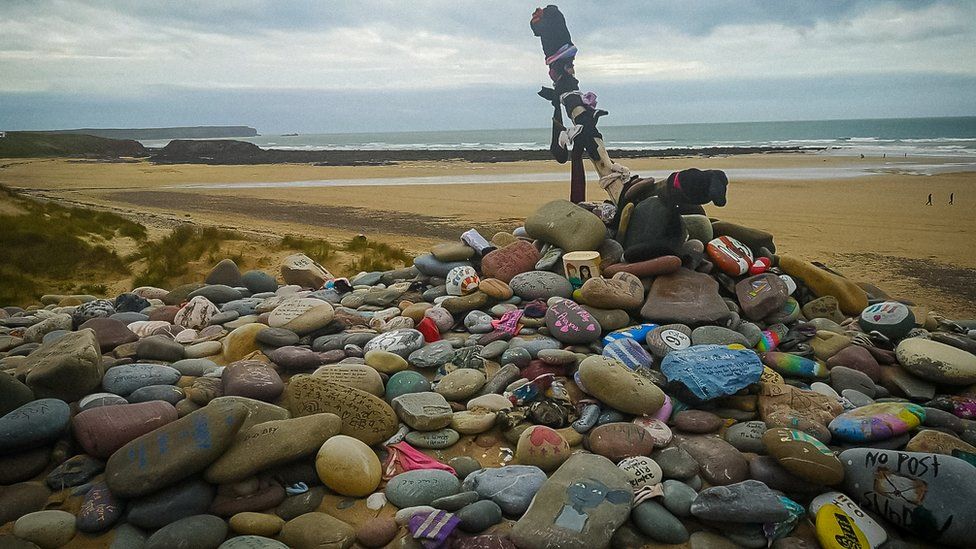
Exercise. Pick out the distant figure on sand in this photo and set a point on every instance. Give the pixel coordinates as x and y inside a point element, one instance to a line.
<point>951,196</point>
<point>929,203</point>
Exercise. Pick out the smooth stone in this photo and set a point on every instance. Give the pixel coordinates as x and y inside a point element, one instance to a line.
<point>935,509</point>
<point>277,337</point>
<point>790,365</point>
<point>747,436</point>
<point>128,536</point>
<point>457,501</point>
<point>13,393</point>
<point>317,531</point>
<point>657,523</point>
<point>421,487</point>
<point>937,442</point>
<point>123,380</point>
<point>786,406</point>
<point>174,451</point>
<point>843,378</point>
<point>873,532</point>
<point>616,385</point>
<point>899,382</point>
<point>399,342</point>
<point>297,505</point>
<point>622,291</point>
<point>697,421</point>
<point>675,462</point>
<point>24,465</point>
<point>746,501</point>
<point>377,532</point>
<point>159,347</point>
<point>252,379</point>
<point>512,487</point>
<point>580,506</point>
<point>33,425</point>
<point>685,297</point>
<point>717,335</point>
<point>850,297</point>
<point>348,466</point>
<point>75,471</point>
<point>216,293</point>
<point>804,456</point>
<point>259,282</point>
<point>493,402</point>
<point>720,463</point>
<point>678,497</point>
<point>540,285</point>
<point>256,524</point>
<point>937,362</point>
<point>479,516</point>
<point>272,443</point>
<point>364,416</point>
<point>641,471</point>
<point>46,529</point>
<point>711,371</point>
<point>460,384</point>
<point>167,393</point>
<point>426,411</point>
<point>879,421</point>
<point>432,355</point>
<point>435,440</point>
<point>761,295</point>
<point>109,332</point>
<point>19,499</point>
<point>196,532</point>
<point>567,226</point>
<point>616,441</point>
<point>66,369</point>
<point>181,500</point>
<point>431,266</point>
<point>252,542</point>
<point>103,430</point>
<point>473,422</point>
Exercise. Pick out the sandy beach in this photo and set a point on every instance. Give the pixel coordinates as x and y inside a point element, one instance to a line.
<point>866,218</point>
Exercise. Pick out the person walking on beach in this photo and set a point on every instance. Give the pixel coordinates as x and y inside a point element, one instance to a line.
<point>951,196</point>
<point>929,203</point>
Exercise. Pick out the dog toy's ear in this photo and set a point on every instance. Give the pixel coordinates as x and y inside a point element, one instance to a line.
<point>550,25</point>
<point>694,186</point>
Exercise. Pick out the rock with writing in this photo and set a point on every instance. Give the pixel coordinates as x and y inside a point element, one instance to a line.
<point>196,313</point>
<point>623,291</point>
<point>804,456</point>
<point>302,315</point>
<point>685,297</point>
<point>175,451</point>
<point>794,408</point>
<point>761,295</point>
<point>540,285</point>
<point>100,510</point>
<point>103,430</point>
<point>34,424</point>
<point>357,376</point>
<point>504,263</point>
<point>123,380</point>
<point>572,324</point>
<point>272,443</point>
<point>364,416</point>
<point>579,507</point>
<point>398,342</point>
<point>301,270</point>
<point>252,379</point>
<point>616,441</point>
<point>462,281</point>
<point>873,531</point>
<point>711,371</point>
<point>642,471</point>
<point>926,494</point>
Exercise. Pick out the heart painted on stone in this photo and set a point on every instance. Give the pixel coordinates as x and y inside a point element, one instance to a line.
<point>542,436</point>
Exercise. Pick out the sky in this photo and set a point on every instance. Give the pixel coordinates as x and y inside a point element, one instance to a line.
<point>339,66</point>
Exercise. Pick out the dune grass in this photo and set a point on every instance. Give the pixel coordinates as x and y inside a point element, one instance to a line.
<point>58,245</point>
<point>169,258</point>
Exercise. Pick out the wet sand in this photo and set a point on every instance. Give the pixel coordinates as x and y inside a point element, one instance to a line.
<point>874,228</point>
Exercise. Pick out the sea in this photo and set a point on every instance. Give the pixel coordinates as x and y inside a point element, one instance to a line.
<point>941,137</point>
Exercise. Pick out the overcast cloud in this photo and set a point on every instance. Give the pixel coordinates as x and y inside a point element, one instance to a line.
<point>300,66</point>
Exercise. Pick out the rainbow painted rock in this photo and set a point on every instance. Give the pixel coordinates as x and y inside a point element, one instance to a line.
<point>879,421</point>
<point>794,366</point>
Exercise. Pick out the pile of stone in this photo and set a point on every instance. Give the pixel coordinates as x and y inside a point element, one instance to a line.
<point>724,396</point>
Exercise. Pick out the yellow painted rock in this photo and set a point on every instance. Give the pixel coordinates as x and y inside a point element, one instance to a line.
<point>837,530</point>
<point>851,297</point>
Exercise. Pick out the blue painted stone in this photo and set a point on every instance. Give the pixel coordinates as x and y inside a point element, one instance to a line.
<point>712,371</point>
<point>34,424</point>
<point>630,352</point>
<point>512,487</point>
<point>638,332</point>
